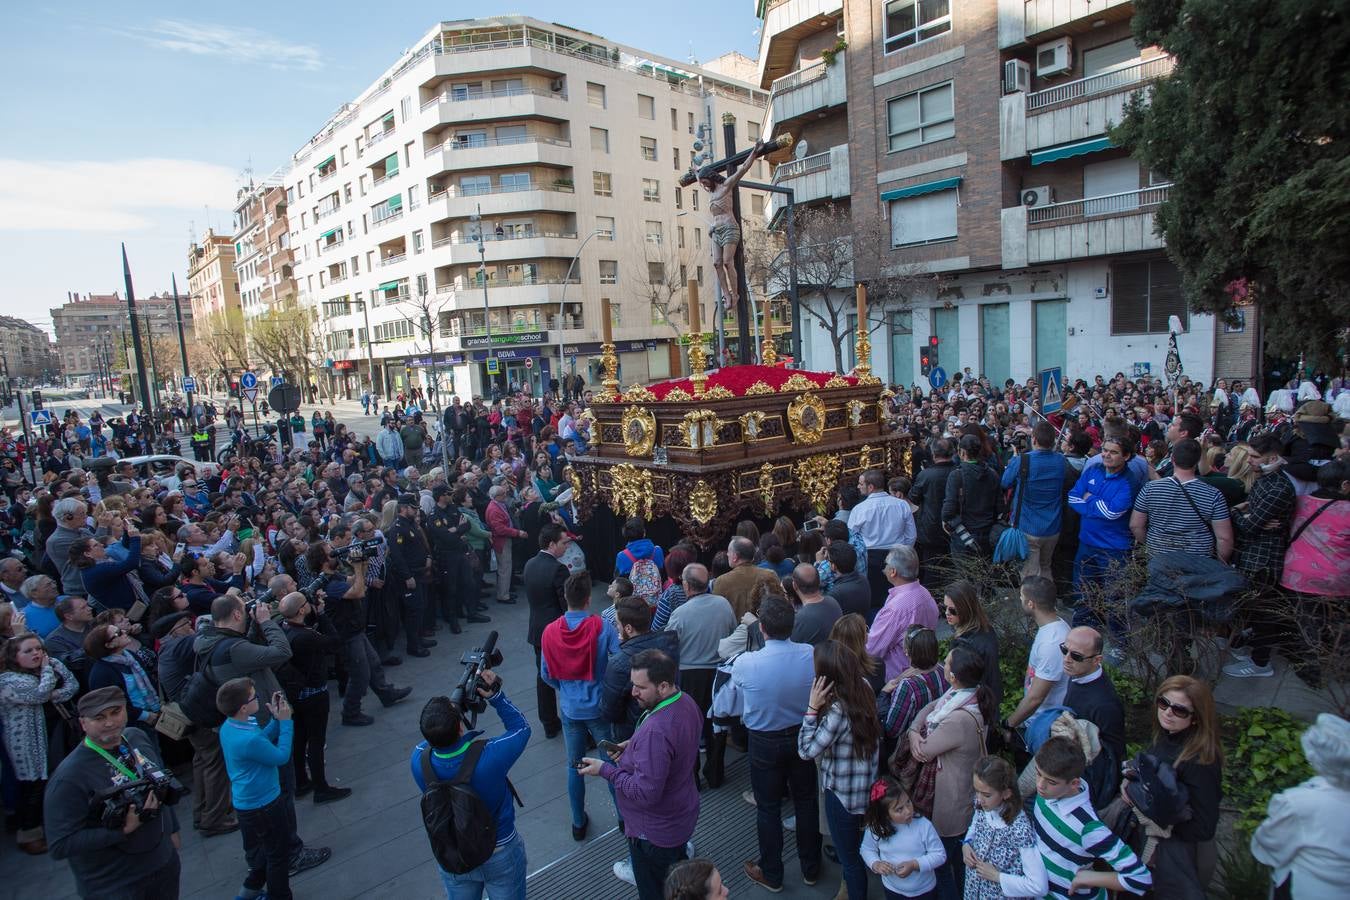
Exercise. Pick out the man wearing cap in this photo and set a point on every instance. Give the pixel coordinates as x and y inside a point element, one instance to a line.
<point>408,566</point>
<point>138,860</point>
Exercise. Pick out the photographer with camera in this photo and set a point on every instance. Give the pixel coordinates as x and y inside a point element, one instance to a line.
<point>409,565</point>
<point>305,679</point>
<point>346,596</point>
<point>109,808</point>
<point>447,748</point>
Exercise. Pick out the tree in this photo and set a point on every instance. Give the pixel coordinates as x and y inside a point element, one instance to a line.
<point>1251,128</point>
<point>655,276</point>
<point>424,312</point>
<point>285,338</point>
<point>221,344</point>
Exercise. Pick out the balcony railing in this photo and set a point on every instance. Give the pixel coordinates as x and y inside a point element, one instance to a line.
<point>378,136</point>
<point>482,190</point>
<point>1109,205</point>
<point>490,237</point>
<point>393,260</point>
<point>381,179</point>
<point>817,162</point>
<point>324,176</point>
<point>396,214</point>
<point>326,248</point>
<point>452,96</point>
<point>462,284</point>
<point>319,213</point>
<point>797,79</point>
<point>335,279</point>
<point>453,144</point>
<point>1106,83</point>
<point>397,298</point>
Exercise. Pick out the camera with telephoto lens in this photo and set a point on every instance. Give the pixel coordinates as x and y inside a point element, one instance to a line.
<point>110,806</point>
<point>465,696</point>
<point>357,551</point>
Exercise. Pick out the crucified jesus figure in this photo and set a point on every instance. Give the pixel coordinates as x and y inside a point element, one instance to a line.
<point>726,231</point>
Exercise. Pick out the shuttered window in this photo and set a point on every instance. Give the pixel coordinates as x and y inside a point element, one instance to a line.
<point>1144,295</point>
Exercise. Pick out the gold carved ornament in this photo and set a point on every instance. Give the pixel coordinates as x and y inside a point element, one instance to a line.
<point>751,423</point>
<point>638,394</point>
<point>759,387</point>
<point>797,382</point>
<point>838,381</point>
<point>573,478</point>
<point>806,416</point>
<point>855,412</point>
<point>638,426</point>
<point>883,405</point>
<point>717,392</point>
<point>588,420</point>
<point>766,488</point>
<point>702,502</point>
<point>677,395</point>
<point>818,477</point>
<point>631,491</point>
<point>699,427</point>
<point>865,457</point>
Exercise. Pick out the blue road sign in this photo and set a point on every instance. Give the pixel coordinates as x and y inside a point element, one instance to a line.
<point>1052,390</point>
<point>189,384</point>
<point>248,381</point>
<point>277,381</point>
<point>937,377</point>
<point>40,416</point>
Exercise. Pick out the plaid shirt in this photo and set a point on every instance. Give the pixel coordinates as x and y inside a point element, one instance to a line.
<point>1260,551</point>
<point>898,708</point>
<point>830,741</point>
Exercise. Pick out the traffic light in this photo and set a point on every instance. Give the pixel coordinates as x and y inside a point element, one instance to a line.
<point>933,351</point>
<point>925,362</point>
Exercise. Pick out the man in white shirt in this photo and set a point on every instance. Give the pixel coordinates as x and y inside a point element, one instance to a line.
<point>1046,680</point>
<point>882,521</point>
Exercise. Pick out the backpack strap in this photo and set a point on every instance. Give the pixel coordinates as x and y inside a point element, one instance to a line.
<point>1181,486</point>
<point>629,553</point>
<point>1308,521</point>
<point>469,762</point>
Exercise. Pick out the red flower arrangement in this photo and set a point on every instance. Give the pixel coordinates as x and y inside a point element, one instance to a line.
<point>738,379</point>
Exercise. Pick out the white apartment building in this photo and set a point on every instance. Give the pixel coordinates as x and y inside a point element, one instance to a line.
<point>563,150</point>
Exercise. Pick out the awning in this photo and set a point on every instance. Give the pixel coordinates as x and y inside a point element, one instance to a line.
<point>325,162</point>
<point>391,165</point>
<point>389,286</point>
<point>396,201</point>
<point>1092,145</point>
<point>388,117</point>
<point>327,234</point>
<point>915,190</point>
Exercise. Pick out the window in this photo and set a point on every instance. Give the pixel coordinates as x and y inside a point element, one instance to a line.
<point>467,91</point>
<point>1118,55</point>
<point>421,284</point>
<point>698,274</point>
<point>418,242</point>
<point>466,139</point>
<point>674,119</point>
<point>646,107</point>
<point>472,185</point>
<point>752,131</point>
<point>615,314</point>
<point>600,140</point>
<point>514,181</point>
<point>595,94</point>
<point>648,148</point>
<point>603,184</point>
<point>910,21</point>
<point>698,239</point>
<point>656,273</point>
<point>510,134</point>
<point>507,87</point>
<point>605,225</point>
<point>609,271</point>
<point>679,197</point>
<point>691,123</point>
<point>693,197</point>
<point>675,156</point>
<point>926,219</point>
<point>921,117</point>
<point>757,204</point>
<point>654,232</point>
<point>651,190</point>
<point>679,236</point>
<point>405,107</point>
<point>1143,295</point>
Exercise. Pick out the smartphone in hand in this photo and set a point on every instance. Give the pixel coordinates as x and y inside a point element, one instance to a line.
<point>610,747</point>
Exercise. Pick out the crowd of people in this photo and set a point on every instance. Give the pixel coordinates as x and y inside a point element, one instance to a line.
<point>203,615</point>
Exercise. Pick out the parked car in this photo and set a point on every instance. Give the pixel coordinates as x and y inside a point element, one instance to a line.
<point>159,465</point>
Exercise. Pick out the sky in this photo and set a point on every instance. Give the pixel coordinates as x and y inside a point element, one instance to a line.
<point>137,122</point>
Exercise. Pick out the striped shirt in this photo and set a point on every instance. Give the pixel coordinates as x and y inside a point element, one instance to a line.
<point>1071,837</point>
<point>1172,522</point>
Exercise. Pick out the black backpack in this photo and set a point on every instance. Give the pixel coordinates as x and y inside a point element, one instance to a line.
<point>460,827</point>
<point>198,700</point>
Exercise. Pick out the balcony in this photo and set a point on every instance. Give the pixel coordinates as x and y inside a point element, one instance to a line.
<point>393,259</point>
<point>816,177</point>
<point>785,23</point>
<point>392,216</point>
<point>1075,110</point>
<point>813,89</point>
<point>468,294</point>
<point>504,200</point>
<point>485,106</point>
<point>462,250</point>
<point>453,156</point>
<point>378,136</point>
<point>1078,229</point>
<point>1040,20</point>
<point>335,246</point>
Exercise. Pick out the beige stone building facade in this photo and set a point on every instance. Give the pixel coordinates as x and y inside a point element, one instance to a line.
<point>212,281</point>
<point>86,322</point>
<point>29,354</point>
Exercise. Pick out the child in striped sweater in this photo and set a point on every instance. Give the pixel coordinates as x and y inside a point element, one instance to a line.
<point>1071,836</point>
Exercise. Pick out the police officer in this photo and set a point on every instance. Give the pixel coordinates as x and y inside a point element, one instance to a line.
<point>445,531</point>
<point>202,440</point>
<point>409,566</point>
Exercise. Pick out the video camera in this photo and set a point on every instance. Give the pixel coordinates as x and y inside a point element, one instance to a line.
<point>310,590</point>
<point>465,696</point>
<point>111,805</point>
<point>357,551</point>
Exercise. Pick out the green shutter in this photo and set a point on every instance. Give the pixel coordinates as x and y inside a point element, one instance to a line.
<point>916,190</point>
<point>1067,151</point>
<point>391,165</point>
<point>327,234</point>
<point>388,117</point>
<point>396,202</point>
<point>389,286</point>
<point>325,162</point>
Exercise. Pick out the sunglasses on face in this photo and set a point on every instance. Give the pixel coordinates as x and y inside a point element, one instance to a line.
<point>1177,709</point>
<point>1075,655</point>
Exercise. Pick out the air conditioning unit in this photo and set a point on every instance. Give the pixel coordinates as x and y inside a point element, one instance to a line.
<point>556,85</point>
<point>1016,76</point>
<point>1038,196</point>
<point>1054,58</point>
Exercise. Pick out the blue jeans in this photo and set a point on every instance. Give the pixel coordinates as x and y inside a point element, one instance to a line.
<point>775,768</point>
<point>575,733</point>
<point>1098,567</point>
<point>265,831</point>
<point>846,830</point>
<point>502,876</point>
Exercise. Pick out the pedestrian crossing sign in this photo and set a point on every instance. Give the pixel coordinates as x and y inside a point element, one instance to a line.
<point>40,417</point>
<point>1052,390</point>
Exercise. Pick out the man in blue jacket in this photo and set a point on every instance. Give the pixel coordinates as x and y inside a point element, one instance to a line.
<point>1103,499</point>
<point>503,875</point>
<point>1037,499</point>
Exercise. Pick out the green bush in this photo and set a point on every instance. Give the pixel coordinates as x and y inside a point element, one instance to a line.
<point>1262,756</point>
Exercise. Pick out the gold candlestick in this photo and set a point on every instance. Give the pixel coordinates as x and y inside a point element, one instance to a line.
<point>609,360</point>
<point>768,354</point>
<point>863,343</point>
<point>698,360</point>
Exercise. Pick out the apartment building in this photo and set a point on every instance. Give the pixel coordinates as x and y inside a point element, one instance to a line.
<point>84,323</point>
<point>978,130</point>
<point>28,353</point>
<point>561,150</point>
<point>213,282</point>
<point>263,263</point>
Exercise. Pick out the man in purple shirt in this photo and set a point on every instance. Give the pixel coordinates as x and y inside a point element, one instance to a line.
<point>908,603</point>
<point>653,776</point>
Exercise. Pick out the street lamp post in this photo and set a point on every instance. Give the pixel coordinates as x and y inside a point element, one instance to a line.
<point>562,301</point>
<point>477,221</point>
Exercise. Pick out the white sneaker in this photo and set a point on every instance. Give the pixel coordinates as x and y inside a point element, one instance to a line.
<point>1247,669</point>
<point>623,870</point>
<point>790,823</point>
<point>689,849</point>
<point>748,796</point>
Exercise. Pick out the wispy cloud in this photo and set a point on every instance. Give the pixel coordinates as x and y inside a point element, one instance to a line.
<point>240,45</point>
<point>107,196</point>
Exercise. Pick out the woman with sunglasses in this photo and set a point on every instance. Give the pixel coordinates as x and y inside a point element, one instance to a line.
<point>114,665</point>
<point>965,614</point>
<point>1186,735</point>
